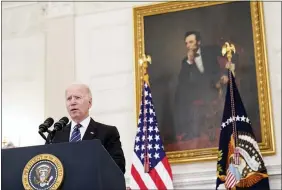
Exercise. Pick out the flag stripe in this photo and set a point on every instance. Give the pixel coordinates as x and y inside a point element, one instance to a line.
<point>167,166</point>
<point>164,174</point>
<point>136,182</point>
<point>133,184</point>
<point>145,176</point>
<point>156,178</point>
<point>230,180</point>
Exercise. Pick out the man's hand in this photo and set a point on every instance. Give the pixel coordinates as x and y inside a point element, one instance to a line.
<point>224,79</point>
<point>191,56</point>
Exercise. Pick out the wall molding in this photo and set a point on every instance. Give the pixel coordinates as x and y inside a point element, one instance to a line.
<point>207,179</point>
<point>57,9</point>
<point>9,5</point>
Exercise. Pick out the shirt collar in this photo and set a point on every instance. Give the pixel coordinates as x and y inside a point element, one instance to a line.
<point>199,51</point>
<point>83,123</point>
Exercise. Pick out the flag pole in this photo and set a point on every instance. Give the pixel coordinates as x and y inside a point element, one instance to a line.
<point>143,61</point>
<point>228,49</point>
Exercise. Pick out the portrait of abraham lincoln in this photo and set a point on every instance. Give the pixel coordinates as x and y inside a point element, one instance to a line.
<point>188,76</point>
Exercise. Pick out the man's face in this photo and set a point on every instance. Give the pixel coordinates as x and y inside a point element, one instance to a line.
<point>192,43</point>
<point>78,102</point>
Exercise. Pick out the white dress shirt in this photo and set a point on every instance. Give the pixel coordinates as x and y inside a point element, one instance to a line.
<point>82,129</point>
<point>198,61</point>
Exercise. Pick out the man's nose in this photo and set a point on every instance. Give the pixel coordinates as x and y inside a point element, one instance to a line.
<point>73,101</point>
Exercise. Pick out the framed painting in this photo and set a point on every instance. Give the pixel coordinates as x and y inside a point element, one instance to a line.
<point>187,74</point>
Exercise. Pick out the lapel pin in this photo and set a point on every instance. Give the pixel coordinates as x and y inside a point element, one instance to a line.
<point>92,133</point>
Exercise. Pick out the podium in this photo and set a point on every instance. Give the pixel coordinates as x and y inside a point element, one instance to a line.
<point>86,165</point>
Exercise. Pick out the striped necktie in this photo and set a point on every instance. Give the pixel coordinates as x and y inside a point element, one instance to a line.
<point>76,136</point>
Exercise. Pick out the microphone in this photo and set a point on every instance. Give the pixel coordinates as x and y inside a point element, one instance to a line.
<point>44,127</point>
<point>58,126</point>
<point>61,124</point>
<point>47,123</point>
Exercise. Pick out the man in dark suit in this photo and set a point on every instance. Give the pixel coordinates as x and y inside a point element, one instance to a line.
<point>83,127</point>
<point>198,86</point>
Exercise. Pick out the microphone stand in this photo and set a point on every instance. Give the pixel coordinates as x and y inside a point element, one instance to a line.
<point>57,127</point>
<point>42,135</point>
<point>50,137</point>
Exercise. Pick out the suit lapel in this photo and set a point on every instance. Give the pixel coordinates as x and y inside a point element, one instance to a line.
<point>91,131</point>
<point>66,133</point>
<point>203,56</point>
<point>207,60</point>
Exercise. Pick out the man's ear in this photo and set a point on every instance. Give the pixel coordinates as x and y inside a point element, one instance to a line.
<point>90,101</point>
<point>199,42</point>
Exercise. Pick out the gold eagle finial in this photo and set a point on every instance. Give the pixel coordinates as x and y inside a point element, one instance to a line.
<point>143,62</point>
<point>228,49</point>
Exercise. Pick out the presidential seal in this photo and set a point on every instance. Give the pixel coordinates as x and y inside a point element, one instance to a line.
<point>42,172</point>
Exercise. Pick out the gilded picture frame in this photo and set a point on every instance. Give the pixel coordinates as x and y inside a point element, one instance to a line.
<point>150,25</point>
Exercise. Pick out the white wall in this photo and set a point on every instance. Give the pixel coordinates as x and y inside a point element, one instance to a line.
<point>23,88</point>
<point>37,65</point>
<point>104,61</point>
<point>93,43</point>
<point>23,60</point>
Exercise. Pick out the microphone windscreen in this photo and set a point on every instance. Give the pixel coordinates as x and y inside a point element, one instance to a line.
<point>65,120</point>
<point>49,122</point>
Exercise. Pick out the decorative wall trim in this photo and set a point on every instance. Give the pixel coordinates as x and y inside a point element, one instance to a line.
<point>57,9</point>
<point>101,7</point>
<point>208,178</point>
<point>8,5</point>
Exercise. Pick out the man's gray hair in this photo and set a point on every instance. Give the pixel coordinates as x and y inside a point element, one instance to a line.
<point>84,86</point>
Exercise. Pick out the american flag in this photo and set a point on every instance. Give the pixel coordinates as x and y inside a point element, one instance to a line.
<point>148,144</point>
<point>230,180</point>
